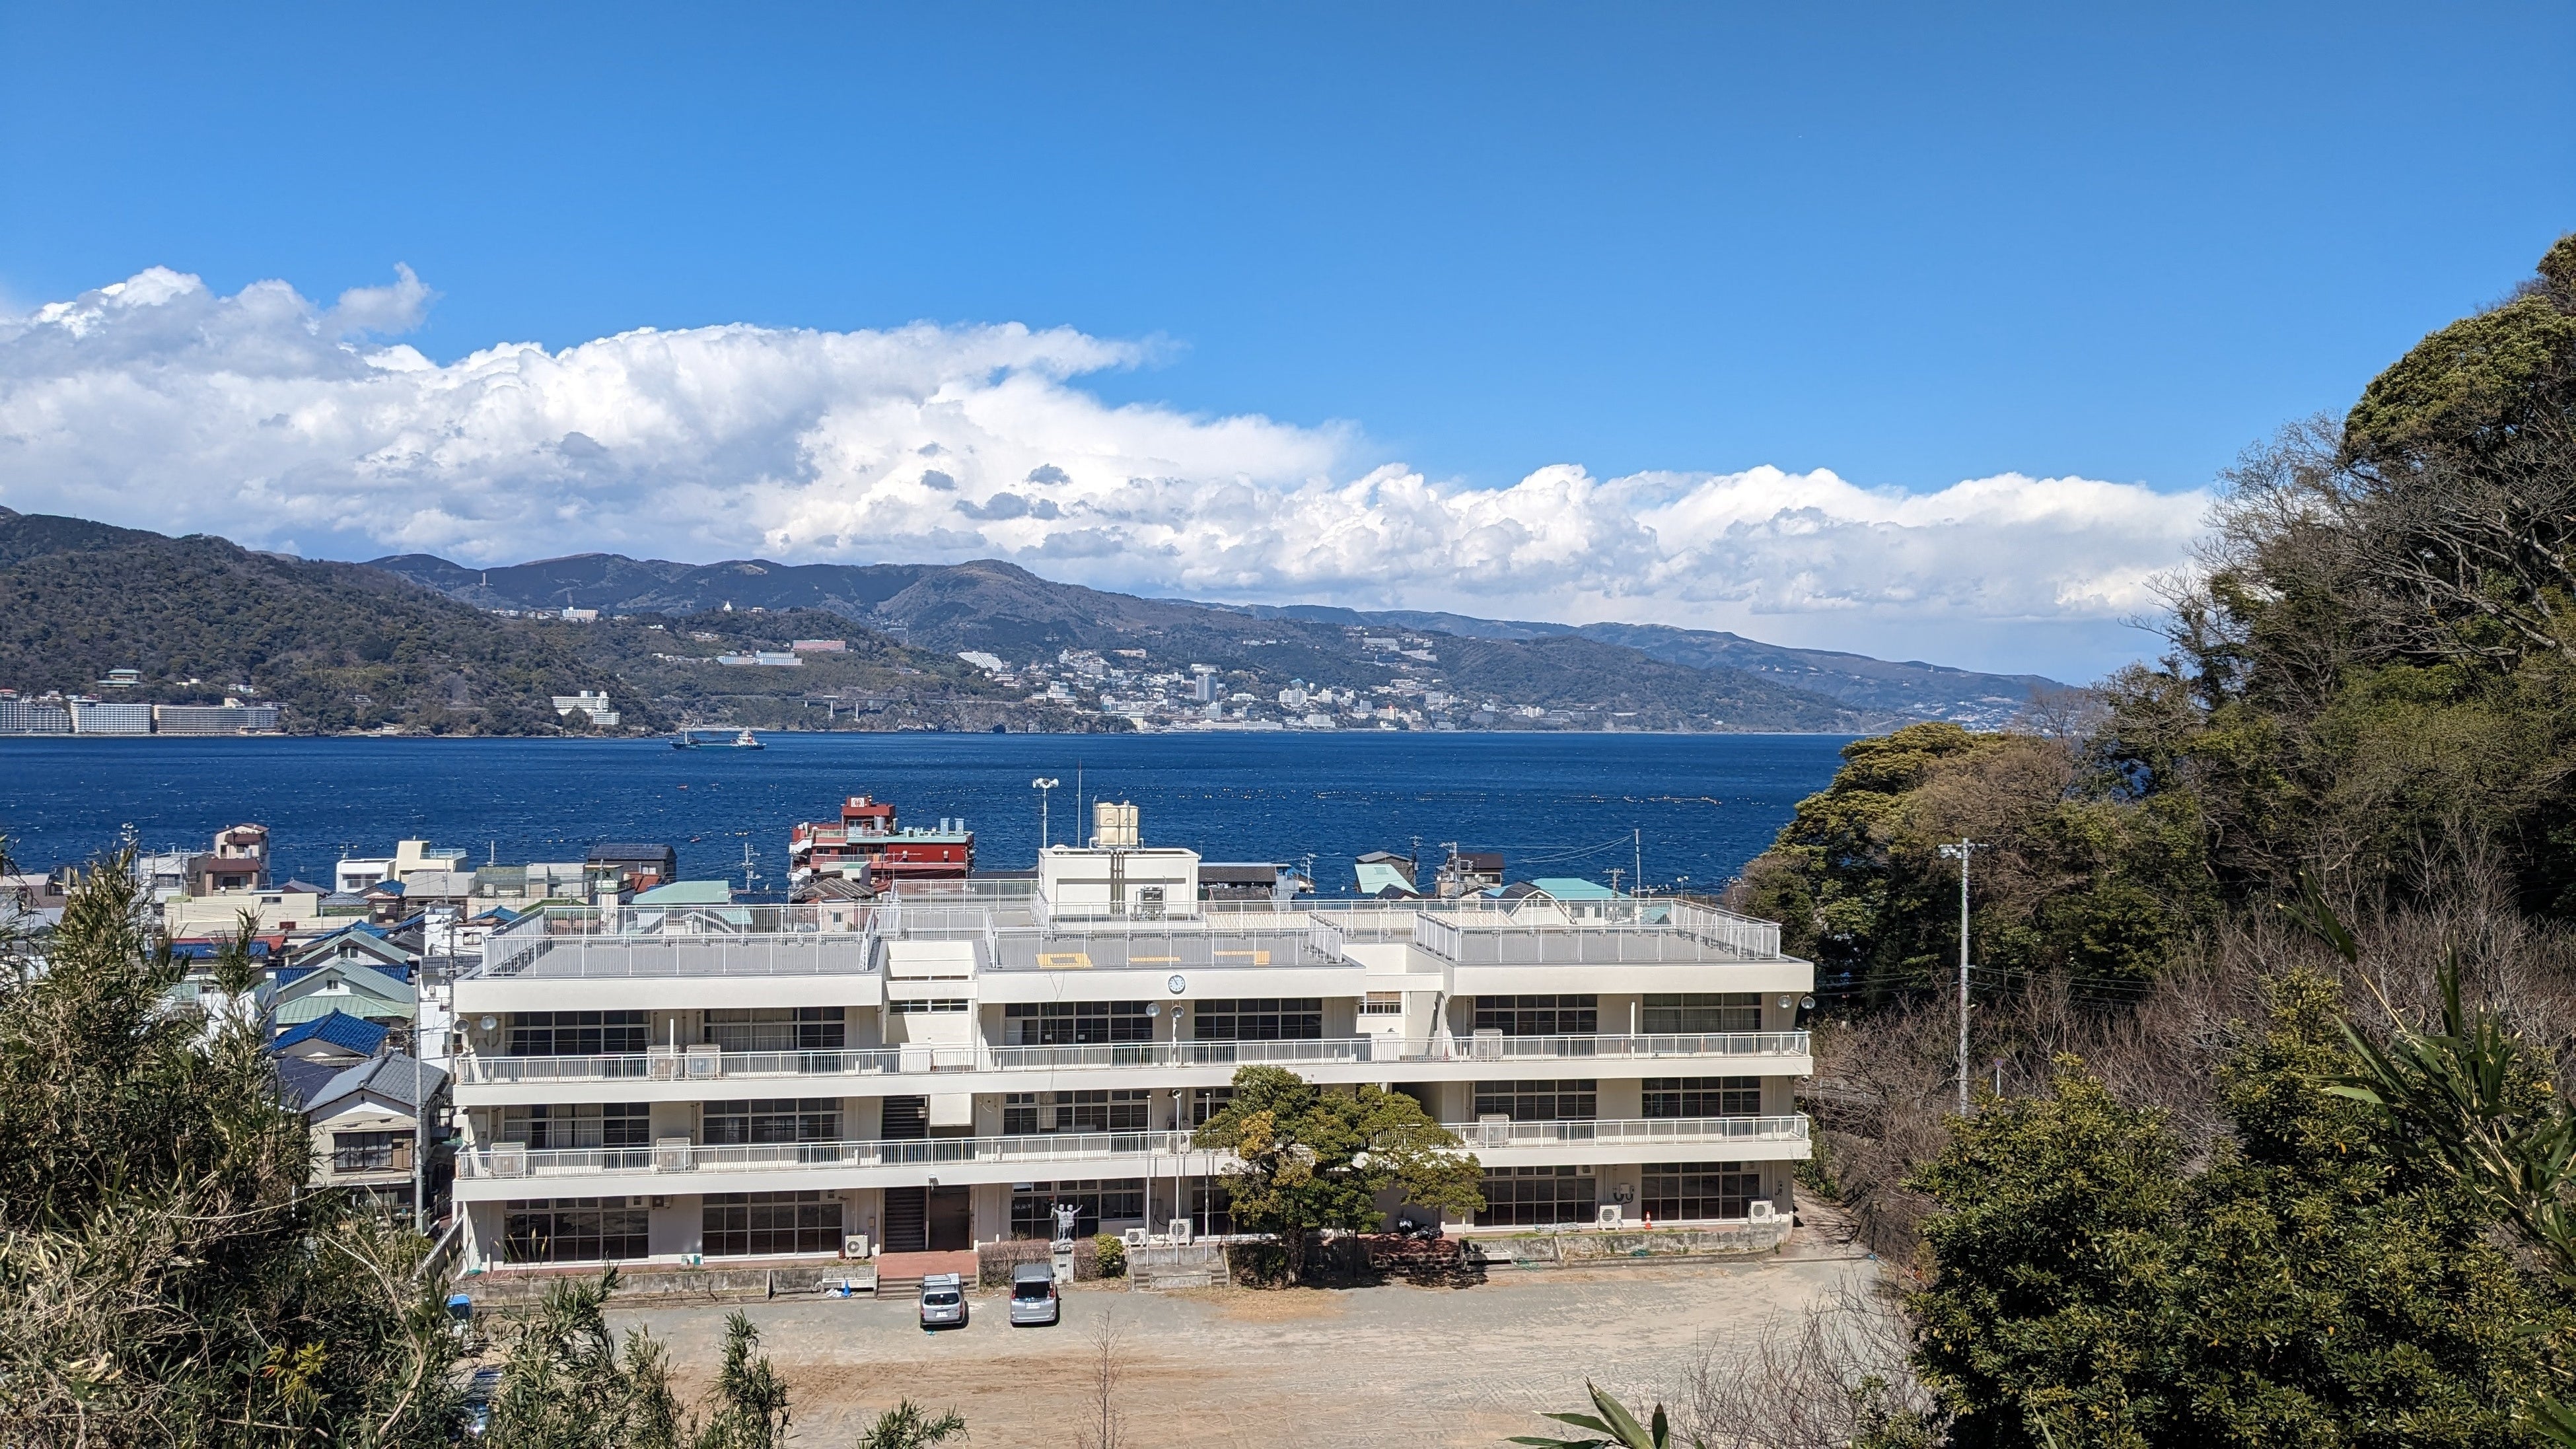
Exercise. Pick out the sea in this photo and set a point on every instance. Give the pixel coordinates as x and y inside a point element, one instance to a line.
<point>1687,810</point>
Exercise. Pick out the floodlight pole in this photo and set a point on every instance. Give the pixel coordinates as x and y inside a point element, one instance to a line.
<point>1042,784</point>
<point>1960,853</point>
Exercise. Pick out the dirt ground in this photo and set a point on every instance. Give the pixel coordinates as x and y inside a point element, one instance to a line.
<point>1317,1369</point>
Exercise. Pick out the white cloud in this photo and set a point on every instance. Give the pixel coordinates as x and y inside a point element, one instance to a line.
<point>262,416</point>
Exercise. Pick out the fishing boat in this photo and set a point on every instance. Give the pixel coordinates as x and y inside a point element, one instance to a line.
<point>684,741</point>
<point>746,741</point>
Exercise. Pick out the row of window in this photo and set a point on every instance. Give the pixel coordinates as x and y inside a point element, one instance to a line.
<point>1028,1113</point>
<point>1088,1023</point>
<point>732,1225</point>
<point>1668,1192</point>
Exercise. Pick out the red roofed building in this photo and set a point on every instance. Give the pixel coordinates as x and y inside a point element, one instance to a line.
<point>866,844</point>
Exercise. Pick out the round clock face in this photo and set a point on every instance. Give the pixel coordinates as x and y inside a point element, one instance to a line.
<point>1178,984</point>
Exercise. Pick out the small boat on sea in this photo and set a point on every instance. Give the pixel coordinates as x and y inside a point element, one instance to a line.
<point>747,741</point>
<point>684,741</point>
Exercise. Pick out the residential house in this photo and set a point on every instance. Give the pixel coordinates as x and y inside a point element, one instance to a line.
<point>367,1123</point>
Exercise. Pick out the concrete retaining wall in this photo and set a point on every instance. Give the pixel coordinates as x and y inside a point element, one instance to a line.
<point>1199,1265</point>
<point>675,1285</point>
<point>1550,1250</point>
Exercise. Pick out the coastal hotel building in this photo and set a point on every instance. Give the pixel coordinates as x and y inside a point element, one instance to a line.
<point>940,1065</point>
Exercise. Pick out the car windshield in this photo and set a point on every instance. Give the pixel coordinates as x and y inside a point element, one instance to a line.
<point>942,1299</point>
<point>1031,1290</point>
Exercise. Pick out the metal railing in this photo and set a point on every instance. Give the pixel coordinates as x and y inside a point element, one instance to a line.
<point>704,1064</point>
<point>1690,1131</point>
<point>667,1158</point>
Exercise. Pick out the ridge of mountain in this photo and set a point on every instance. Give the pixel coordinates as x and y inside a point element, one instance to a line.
<point>999,608</point>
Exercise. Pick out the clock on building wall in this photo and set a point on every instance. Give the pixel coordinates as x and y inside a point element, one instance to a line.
<point>1178,984</point>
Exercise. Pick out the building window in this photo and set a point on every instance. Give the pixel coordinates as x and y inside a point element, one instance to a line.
<point>574,1230</point>
<point>1703,1096</point>
<point>1212,1207</point>
<point>1206,1102</point>
<point>1286,1018</point>
<point>576,1033</point>
<point>1124,1110</point>
<point>777,1029</point>
<point>927,1008</point>
<point>1575,1101</point>
<point>783,1119</point>
<point>370,1152</point>
<point>1536,1196</point>
<point>1115,1200</point>
<point>1382,1003</point>
<point>1075,1023</point>
<point>1680,1191</point>
<point>1702,1012</point>
<point>1019,1114</point>
<point>1539,1015</point>
<point>763,1224</point>
<point>578,1125</point>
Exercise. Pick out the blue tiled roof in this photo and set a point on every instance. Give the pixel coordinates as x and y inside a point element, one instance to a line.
<point>339,1029</point>
<point>209,950</point>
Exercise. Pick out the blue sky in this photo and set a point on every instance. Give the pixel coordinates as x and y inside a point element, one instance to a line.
<point>1909,247</point>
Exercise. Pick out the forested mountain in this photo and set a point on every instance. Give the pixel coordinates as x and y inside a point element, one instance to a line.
<point>344,646</point>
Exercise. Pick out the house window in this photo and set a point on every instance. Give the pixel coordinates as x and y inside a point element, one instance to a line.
<point>576,1033</point>
<point>1075,1023</point>
<point>1539,1015</point>
<point>370,1152</point>
<point>763,1224</point>
<point>1703,1096</point>
<point>1680,1191</point>
<point>777,1029</point>
<point>576,1125</point>
<point>1114,1200</point>
<point>1382,1003</point>
<point>1285,1018</point>
<point>574,1230</point>
<point>1574,1101</point>
<point>1536,1196</point>
<point>782,1119</point>
<point>1702,1012</point>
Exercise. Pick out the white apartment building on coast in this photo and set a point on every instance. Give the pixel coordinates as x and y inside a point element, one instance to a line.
<point>937,1069</point>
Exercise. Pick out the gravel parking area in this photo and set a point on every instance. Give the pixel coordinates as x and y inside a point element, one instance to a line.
<point>1392,1365</point>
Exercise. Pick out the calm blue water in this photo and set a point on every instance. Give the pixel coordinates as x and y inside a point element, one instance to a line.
<point>1555,804</point>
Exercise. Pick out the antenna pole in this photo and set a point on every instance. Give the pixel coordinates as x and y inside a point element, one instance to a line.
<point>1960,853</point>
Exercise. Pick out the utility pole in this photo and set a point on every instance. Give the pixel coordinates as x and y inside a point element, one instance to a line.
<point>1960,853</point>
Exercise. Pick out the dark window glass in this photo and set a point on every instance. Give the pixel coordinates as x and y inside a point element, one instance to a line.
<point>1206,1102</point>
<point>1702,1012</point>
<point>762,1224</point>
<point>370,1151</point>
<point>778,1028</point>
<point>1019,1114</point>
<point>576,1033</point>
<point>1680,1191</point>
<point>1284,1018</point>
<point>565,1126</point>
<point>574,1230</point>
<point>1033,1206</point>
<point>1095,1111</point>
<point>1703,1096</point>
<point>1538,1101</point>
<point>1536,1196</point>
<point>1075,1023</point>
<point>784,1119</point>
<point>1539,1015</point>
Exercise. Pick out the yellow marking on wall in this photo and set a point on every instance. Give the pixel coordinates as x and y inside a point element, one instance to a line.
<point>1064,960</point>
<point>1153,960</point>
<point>1259,958</point>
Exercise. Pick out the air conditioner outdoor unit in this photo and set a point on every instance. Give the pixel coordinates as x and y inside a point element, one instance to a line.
<point>1135,1237</point>
<point>854,1246</point>
<point>662,1064</point>
<point>1494,1129</point>
<point>705,1060</point>
<point>1610,1216</point>
<point>671,1154</point>
<point>509,1159</point>
<point>1180,1232</point>
<point>1761,1211</point>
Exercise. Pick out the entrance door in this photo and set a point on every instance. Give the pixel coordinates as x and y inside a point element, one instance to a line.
<point>903,1220</point>
<point>951,1219</point>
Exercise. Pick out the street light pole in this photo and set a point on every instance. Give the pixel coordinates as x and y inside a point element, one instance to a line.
<point>1960,853</point>
<point>1042,785</point>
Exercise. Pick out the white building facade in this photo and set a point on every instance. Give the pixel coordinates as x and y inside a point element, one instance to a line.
<point>939,1069</point>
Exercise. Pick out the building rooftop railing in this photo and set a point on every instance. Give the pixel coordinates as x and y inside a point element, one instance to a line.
<point>705,1063</point>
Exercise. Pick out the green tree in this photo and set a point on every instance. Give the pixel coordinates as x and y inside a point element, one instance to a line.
<point>1310,1157</point>
<point>909,1426</point>
<point>165,1277</point>
<point>567,1382</point>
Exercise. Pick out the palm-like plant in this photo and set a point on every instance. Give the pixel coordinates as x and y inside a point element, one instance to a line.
<point>1610,1424</point>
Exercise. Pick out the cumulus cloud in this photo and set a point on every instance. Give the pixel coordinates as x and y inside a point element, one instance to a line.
<point>266,417</point>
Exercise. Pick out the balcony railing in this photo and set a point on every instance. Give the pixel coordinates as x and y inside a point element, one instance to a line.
<point>707,1064</point>
<point>1680,1131</point>
<point>505,1161</point>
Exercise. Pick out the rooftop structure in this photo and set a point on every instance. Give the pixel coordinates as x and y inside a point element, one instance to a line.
<point>944,1064</point>
<point>867,844</point>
